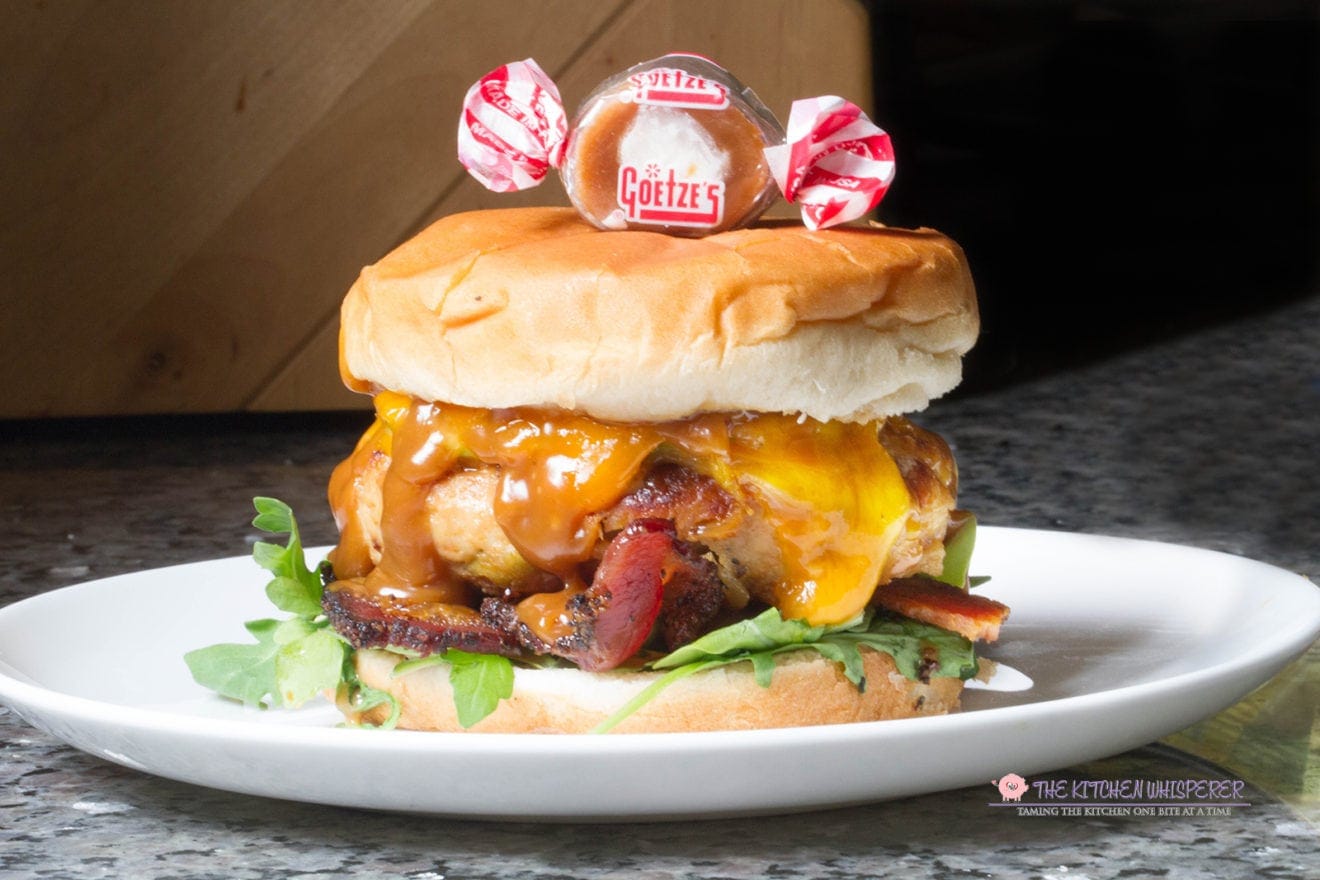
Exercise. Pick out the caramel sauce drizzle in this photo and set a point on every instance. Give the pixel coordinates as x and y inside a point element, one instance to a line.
<point>410,568</point>
<point>556,470</point>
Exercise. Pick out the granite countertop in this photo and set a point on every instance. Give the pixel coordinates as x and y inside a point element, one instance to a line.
<point>1208,440</point>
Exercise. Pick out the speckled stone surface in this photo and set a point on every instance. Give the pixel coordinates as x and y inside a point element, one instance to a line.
<point>77,817</point>
<point>1208,440</point>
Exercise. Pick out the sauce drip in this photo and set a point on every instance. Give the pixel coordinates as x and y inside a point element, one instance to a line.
<point>546,614</point>
<point>557,469</point>
<point>348,483</point>
<point>410,568</point>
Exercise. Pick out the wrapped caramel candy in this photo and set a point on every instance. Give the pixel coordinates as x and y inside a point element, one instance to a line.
<point>674,145</point>
<point>837,164</point>
<point>513,127</point>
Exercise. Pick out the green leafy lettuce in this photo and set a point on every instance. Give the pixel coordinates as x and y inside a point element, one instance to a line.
<point>292,660</point>
<point>479,681</point>
<point>759,639</point>
<point>958,546</point>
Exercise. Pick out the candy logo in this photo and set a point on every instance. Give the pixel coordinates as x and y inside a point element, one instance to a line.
<point>657,196</point>
<point>1011,787</point>
<point>671,87</point>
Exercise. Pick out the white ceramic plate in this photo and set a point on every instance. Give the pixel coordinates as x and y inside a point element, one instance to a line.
<point>1126,641</point>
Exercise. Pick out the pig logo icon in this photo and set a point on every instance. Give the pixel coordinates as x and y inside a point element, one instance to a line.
<point>1011,787</point>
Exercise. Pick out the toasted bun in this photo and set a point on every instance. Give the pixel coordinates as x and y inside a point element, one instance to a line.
<point>806,689</point>
<point>535,307</point>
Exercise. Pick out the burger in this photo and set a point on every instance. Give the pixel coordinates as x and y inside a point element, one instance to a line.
<point>648,483</point>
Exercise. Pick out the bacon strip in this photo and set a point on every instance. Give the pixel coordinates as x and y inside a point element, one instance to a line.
<point>646,575</point>
<point>943,605</point>
<point>694,594</point>
<point>369,620</point>
<point>689,500</point>
<point>625,596</point>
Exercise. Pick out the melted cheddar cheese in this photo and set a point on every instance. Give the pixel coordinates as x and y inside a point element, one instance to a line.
<point>836,503</point>
<point>833,497</point>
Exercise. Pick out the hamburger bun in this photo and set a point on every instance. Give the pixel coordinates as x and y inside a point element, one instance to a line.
<point>536,307</point>
<point>806,689</point>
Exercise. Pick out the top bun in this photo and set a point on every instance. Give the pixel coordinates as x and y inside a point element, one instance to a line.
<point>536,307</point>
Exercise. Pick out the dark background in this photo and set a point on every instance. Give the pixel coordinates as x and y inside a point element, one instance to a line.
<point>1118,172</point>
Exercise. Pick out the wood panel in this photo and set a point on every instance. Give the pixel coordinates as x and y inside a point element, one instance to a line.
<point>197,183</point>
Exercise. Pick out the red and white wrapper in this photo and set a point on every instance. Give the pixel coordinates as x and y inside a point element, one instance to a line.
<point>513,127</point>
<point>837,164</point>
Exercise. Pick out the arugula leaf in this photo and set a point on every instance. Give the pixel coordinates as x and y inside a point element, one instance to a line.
<point>654,688</point>
<point>274,516</point>
<point>309,665</point>
<point>295,588</point>
<point>295,596</point>
<point>757,640</point>
<point>760,633</point>
<point>958,544</point>
<point>479,681</point>
<point>763,667</point>
<point>415,663</point>
<point>844,653</point>
<point>362,698</point>
<point>906,641</point>
<point>768,633</point>
<point>293,659</point>
<point>240,672</point>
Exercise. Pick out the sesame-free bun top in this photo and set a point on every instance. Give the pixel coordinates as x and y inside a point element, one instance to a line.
<point>536,307</point>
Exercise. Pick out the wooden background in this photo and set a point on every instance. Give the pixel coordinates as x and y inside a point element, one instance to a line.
<point>189,187</point>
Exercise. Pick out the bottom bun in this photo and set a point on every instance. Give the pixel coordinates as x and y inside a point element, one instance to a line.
<point>806,689</point>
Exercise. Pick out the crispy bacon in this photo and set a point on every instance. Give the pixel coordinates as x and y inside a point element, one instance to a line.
<point>624,598</point>
<point>694,594</point>
<point>369,620</point>
<point>691,501</point>
<point>645,574</point>
<point>943,605</point>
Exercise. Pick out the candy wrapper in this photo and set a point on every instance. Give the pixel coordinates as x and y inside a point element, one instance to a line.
<point>837,164</point>
<point>513,127</point>
<point>675,145</point>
